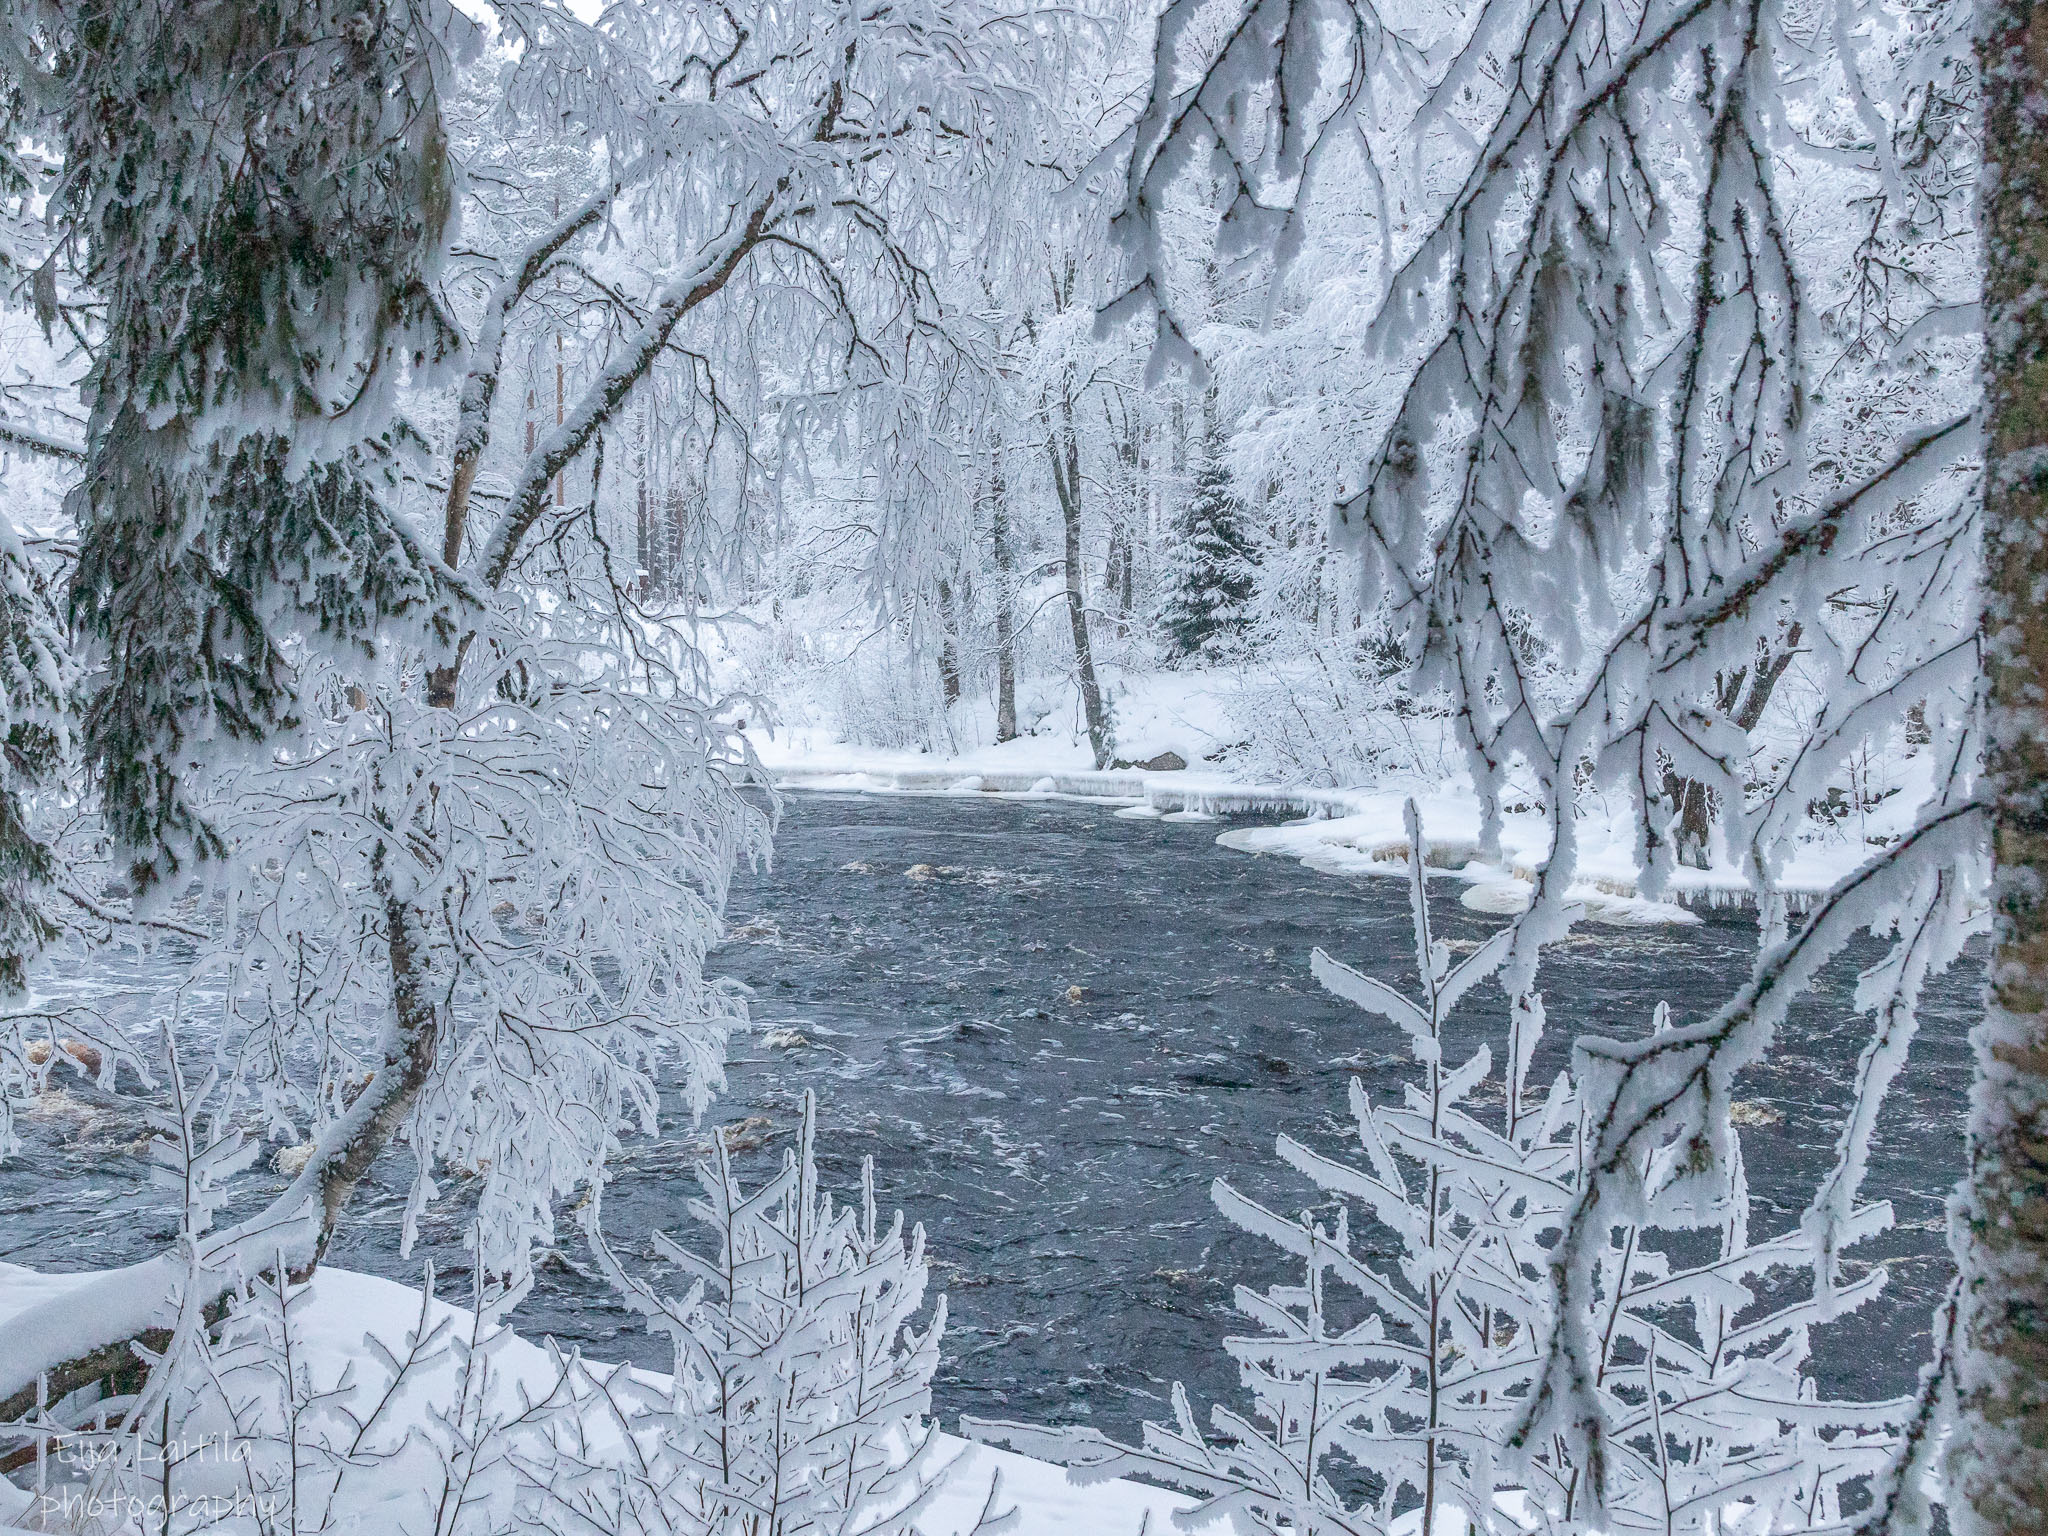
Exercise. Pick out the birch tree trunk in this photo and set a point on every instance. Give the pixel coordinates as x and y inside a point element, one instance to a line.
<point>1006,632</point>
<point>949,648</point>
<point>1999,1452</point>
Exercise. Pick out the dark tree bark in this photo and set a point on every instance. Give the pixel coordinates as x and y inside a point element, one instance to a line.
<point>949,645</point>
<point>1065,449</point>
<point>1116,573</point>
<point>1999,1451</point>
<point>1120,568</point>
<point>1742,696</point>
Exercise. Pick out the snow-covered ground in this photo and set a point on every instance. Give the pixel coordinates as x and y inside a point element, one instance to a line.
<point>345,1316</point>
<point>344,1311</point>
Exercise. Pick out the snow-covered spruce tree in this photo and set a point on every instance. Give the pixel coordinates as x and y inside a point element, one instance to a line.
<point>39,674</point>
<point>262,195</point>
<point>480,878</point>
<point>1383,1394</point>
<point>1616,454</point>
<point>39,686</point>
<point>1210,575</point>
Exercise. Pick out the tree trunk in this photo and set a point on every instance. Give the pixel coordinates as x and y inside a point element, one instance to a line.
<point>643,507</point>
<point>1744,706</point>
<point>410,1052</point>
<point>1066,478</point>
<point>1116,574</point>
<point>1129,505</point>
<point>1999,1451</point>
<point>1006,636</point>
<point>949,648</point>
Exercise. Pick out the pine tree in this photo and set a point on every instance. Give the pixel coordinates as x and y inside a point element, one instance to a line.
<point>1212,561</point>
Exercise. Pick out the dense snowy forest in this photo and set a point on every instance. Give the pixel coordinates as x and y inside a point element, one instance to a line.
<point>465,464</point>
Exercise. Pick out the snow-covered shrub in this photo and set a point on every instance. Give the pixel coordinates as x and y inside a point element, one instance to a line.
<point>1383,1389</point>
<point>799,1378</point>
<point>880,695</point>
<point>1322,709</point>
<point>820,662</point>
<point>267,1416</point>
<point>795,1405</point>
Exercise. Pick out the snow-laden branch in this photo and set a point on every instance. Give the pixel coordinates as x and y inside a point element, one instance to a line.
<point>487,360</point>
<point>1668,1096</point>
<point>42,443</point>
<point>713,266</point>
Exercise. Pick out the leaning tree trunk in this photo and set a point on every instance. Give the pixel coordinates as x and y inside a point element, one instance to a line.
<point>1066,479</point>
<point>1999,1452</point>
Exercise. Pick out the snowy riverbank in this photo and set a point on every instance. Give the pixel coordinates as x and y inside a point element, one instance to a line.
<point>1207,742</point>
<point>1351,832</point>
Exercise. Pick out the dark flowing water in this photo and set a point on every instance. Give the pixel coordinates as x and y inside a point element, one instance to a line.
<point>1059,1148</point>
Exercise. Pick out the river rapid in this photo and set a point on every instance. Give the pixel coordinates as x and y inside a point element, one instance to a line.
<point>1052,1029</point>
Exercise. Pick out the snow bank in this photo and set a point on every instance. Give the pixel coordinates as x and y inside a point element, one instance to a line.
<point>1349,832</point>
<point>342,1311</point>
<point>1189,714</point>
<point>98,1304</point>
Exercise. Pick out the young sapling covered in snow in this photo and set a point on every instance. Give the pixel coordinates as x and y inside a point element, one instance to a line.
<point>1386,1396</point>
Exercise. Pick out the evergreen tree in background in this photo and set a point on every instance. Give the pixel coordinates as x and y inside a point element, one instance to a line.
<point>1212,562</point>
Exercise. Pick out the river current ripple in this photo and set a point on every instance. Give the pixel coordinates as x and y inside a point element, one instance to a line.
<point>910,959</point>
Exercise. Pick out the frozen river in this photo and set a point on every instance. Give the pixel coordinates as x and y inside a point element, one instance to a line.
<point>911,960</point>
